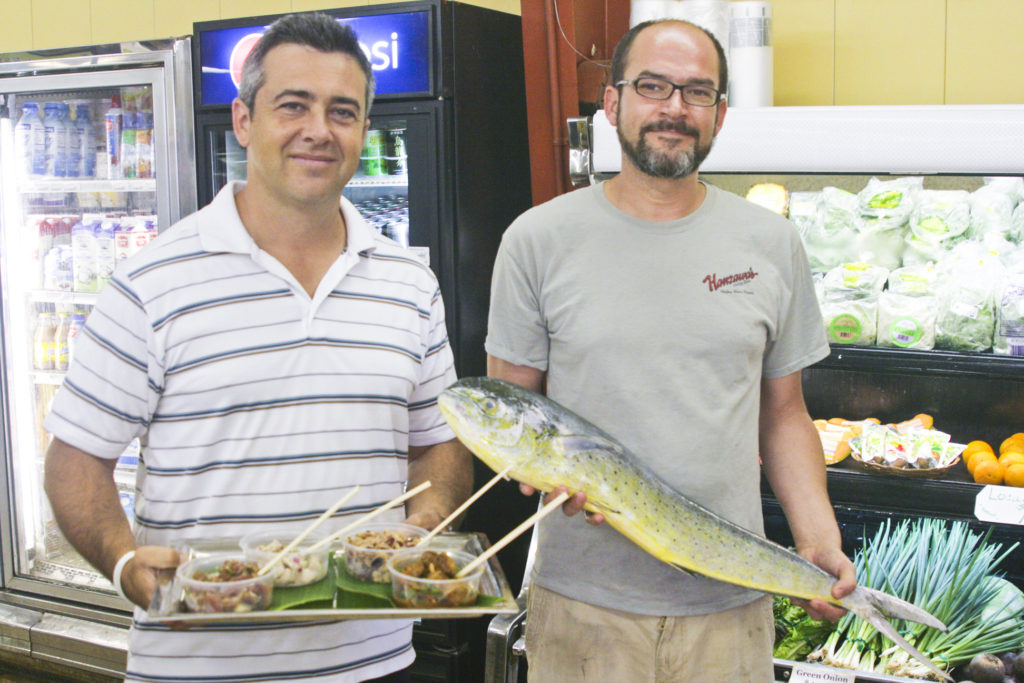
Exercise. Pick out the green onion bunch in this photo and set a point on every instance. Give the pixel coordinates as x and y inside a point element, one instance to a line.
<point>946,569</point>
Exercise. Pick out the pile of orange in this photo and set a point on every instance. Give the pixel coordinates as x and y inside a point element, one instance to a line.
<point>988,468</point>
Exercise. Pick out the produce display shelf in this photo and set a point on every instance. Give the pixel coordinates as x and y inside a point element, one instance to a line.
<point>784,668</point>
<point>931,362</point>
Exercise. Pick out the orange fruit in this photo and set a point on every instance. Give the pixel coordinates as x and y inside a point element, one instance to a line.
<point>873,419</point>
<point>925,419</point>
<point>1018,435</point>
<point>988,472</point>
<point>1011,457</point>
<point>1014,475</point>
<point>1011,442</point>
<point>975,446</point>
<point>979,456</point>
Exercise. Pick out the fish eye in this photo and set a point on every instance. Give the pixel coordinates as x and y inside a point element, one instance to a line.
<point>490,406</point>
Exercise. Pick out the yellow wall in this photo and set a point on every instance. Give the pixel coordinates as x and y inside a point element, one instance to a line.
<point>898,52</point>
<point>827,52</point>
<point>42,24</point>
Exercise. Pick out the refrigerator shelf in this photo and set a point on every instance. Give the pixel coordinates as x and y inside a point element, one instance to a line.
<point>59,296</point>
<point>92,185</point>
<point>380,181</point>
<point>44,377</point>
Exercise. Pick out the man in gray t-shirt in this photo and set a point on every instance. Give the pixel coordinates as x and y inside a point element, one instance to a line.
<point>677,317</point>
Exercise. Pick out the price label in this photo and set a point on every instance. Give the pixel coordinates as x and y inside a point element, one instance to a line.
<point>811,673</point>
<point>1001,504</point>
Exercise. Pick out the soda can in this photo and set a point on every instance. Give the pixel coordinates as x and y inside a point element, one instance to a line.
<point>373,153</point>
<point>396,156</point>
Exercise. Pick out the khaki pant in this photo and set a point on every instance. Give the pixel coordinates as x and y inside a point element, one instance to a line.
<point>573,642</point>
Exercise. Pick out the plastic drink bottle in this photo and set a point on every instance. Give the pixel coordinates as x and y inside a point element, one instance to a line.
<point>112,126</point>
<point>87,141</point>
<point>77,320</point>
<point>30,140</point>
<point>56,141</point>
<point>43,339</point>
<point>128,160</point>
<point>60,341</point>
<point>74,151</point>
<point>144,144</point>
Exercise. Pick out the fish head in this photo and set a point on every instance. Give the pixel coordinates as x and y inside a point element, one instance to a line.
<point>496,420</point>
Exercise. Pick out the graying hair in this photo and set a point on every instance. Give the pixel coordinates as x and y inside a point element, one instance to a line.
<point>319,31</point>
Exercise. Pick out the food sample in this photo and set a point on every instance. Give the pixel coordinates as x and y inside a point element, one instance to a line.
<point>299,567</point>
<point>224,583</point>
<point>367,551</point>
<point>426,578</point>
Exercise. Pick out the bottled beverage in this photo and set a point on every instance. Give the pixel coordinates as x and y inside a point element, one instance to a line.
<point>396,156</point>
<point>144,144</point>
<point>62,230</point>
<point>61,357</point>
<point>112,126</point>
<point>105,254</point>
<point>43,339</point>
<point>65,265</point>
<point>373,153</point>
<point>73,154</point>
<point>74,327</point>
<point>86,142</point>
<point>45,243</point>
<point>83,260</point>
<point>56,141</point>
<point>128,158</point>
<point>30,140</point>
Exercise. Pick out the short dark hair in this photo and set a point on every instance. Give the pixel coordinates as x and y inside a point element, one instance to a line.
<point>316,30</point>
<point>621,54</point>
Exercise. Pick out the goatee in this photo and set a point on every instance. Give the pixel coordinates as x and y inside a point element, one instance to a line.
<point>678,164</point>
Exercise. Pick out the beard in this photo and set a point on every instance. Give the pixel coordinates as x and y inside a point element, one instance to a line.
<point>670,164</point>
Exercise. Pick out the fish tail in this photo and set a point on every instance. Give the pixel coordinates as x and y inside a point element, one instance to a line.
<point>871,609</point>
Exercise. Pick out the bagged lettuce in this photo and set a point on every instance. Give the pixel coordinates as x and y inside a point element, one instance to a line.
<point>830,239</point>
<point>916,280</point>
<point>1008,339</point>
<point>889,203</point>
<point>968,281</point>
<point>804,211</point>
<point>849,304</point>
<point>992,207</point>
<point>907,322</point>
<point>940,215</point>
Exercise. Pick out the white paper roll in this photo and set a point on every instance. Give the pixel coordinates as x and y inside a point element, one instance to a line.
<point>712,15</point>
<point>750,77</point>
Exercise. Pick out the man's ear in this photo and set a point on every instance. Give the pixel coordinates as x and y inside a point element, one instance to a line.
<point>241,119</point>
<point>611,104</point>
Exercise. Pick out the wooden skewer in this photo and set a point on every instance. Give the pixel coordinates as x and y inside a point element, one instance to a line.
<point>370,515</point>
<point>510,536</point>
<point>307,531</point>
<point>458,511</point>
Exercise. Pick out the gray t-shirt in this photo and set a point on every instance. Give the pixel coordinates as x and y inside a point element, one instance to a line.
<point>660,334</point>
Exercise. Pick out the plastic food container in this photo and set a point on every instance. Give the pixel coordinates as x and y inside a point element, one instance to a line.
<point>225,582</point>
<point>299,567</point>
<point>368,548</point>
<point>417,591</point>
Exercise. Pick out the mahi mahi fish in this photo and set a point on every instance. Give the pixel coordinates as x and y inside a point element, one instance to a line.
<point>548,446</point>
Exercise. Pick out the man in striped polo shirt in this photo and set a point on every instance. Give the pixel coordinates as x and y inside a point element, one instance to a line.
<point>271,352</point>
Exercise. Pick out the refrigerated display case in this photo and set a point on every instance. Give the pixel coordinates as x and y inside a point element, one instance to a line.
<point>107,164</point>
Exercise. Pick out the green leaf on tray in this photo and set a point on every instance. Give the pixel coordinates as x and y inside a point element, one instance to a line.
<point>301,596</point>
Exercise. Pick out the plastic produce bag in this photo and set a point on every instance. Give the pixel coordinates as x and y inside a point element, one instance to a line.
<point>850,321</point>
<point>1016,232</point>
<point>855,280</point>
<point>888,203</point>
<point>992,206</point>
<point>1009,334</point>
<point>966,300</point>
<point>917,280</point>
<point>830,240</point>
<point>804,210</point>
<point>940,215</point>
<point>907,322</point>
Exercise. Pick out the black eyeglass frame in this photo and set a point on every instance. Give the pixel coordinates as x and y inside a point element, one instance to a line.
<point>719,95</point>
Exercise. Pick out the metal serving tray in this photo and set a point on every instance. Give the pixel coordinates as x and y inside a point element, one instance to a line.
<point>166,606</point>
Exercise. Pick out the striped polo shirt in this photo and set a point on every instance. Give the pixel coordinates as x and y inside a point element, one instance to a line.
<point>258,405</point>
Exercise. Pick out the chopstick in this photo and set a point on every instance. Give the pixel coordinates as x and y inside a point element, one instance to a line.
<point>383,508</point>
<point>511,536</point>
<point>307,531</point>
<point>469,501</point>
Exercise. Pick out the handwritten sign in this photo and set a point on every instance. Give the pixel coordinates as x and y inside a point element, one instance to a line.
<point>812,673</point>
<point>1001,504</point>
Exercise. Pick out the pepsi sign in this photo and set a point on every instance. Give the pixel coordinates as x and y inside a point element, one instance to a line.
<point>398,46</point>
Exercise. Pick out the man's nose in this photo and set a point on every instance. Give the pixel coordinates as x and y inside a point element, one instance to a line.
<point>315,126</point>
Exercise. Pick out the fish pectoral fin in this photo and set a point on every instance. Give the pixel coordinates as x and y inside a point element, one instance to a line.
<point>896,608</point>
<point>572,443</point>
<point>685,570</point>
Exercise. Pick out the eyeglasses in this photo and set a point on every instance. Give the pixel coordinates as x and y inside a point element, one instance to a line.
<point>656,88</point>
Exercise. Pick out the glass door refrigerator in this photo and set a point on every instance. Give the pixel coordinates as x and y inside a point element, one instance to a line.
<point>96,156</point>
<point>445,170</point>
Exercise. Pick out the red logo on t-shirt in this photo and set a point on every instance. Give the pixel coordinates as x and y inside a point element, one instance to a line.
<point>714,282</point>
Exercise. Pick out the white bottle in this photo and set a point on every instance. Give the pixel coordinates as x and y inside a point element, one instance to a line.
<point>83,257</point>
<point>88,141</point>
<point>74,151</point>
<point>105,253</point>
<point>56,141</point>
<point>30,140</point>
